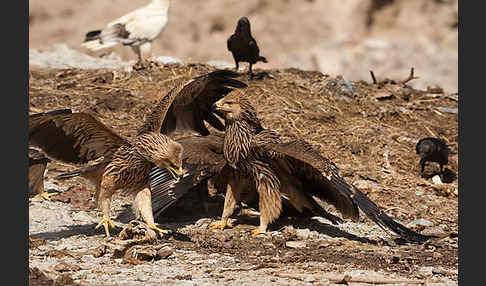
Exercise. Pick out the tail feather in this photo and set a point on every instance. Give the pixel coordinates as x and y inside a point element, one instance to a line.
<point>54,112</point>
<point>262,59</point>
<point>71,174</point>
<point>92,35</point>
<point>102,39</point>
<point>373,212</point>
<point>165,190</point>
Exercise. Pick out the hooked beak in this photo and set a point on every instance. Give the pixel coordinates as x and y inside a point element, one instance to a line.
<point>177,174</point>
<point>215,106</point>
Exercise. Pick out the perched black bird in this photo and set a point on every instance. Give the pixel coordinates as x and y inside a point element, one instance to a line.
<point>433,150</point>
<point>243,46</point>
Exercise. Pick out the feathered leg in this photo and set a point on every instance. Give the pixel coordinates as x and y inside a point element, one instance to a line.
<point>270,204</point>
<point>142,206</point>
<point>136,50</point>
<point>145,51</point>
<point>104,193</point>
<point>228,209</point>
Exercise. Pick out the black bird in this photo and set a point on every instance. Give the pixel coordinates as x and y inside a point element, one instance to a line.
<point>433,150</point>
<point>243,46</point>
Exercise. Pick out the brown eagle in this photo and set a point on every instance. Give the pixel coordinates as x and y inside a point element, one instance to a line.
<point>38,163</point>
<point>251,162</point>
<point>290,169</point>
<point>243,46</point>
<point>79,138</point>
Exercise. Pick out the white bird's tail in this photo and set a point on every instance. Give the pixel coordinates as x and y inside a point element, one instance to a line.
<point>103,39</point>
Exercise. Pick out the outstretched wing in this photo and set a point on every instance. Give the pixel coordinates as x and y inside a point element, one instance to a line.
<point>320,177</point>
<point>202,159</point>
<point>72,138</point>
<point>187,106</point>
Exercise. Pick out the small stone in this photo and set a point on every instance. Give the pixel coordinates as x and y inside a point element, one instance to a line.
<point>310,279</point>
<point>437,231</point>
<point>141,276</point>
<point>295,244</point>
<point>203,223</point>
<point>426,270</point>
<point>303,233</point>
<point>420,221</point>
<point>436,179</point>
<point>165,252</point>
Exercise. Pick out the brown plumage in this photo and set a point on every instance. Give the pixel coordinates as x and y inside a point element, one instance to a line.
<point>243,46</point>
<point>293,169</point>
<point>79,138</point>
<point>37,167</point>
<point>125,164</point>
<point>38,163</point>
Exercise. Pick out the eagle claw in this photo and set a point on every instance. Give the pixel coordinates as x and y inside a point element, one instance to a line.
<point>106,223</point>
<point>220,224</point>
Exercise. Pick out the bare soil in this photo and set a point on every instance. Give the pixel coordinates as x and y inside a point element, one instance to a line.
<point>369,131</point>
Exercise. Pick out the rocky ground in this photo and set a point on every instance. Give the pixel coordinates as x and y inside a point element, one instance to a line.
<point>368,129</point>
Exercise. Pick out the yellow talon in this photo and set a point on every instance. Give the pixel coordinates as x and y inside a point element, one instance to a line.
<point>154,227</point>
<point>256,232</point>
<point>105,222</point>
<point>46,195</point>
<point>220,224</point>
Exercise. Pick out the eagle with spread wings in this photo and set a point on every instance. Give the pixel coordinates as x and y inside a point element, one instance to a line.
<point>250,161</point>
<point>80,138</point>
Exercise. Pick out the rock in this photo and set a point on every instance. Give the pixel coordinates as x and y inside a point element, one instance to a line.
<point>203,223</point>
<point>167,60</point>
<point>141,276</point>
<point>420,221</point>
<point>295,244</point>
<point>310,279</point>
<point>63,267</point>
<point>436,179</point>
<point>426,270</point>
<point>220,64</point>
<point>436,230</point>
<point>447,110</point>
<point>165,252</point>
<point>303,233</point>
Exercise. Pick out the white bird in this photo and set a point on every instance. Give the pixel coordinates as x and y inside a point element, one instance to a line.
<point>136,29</point>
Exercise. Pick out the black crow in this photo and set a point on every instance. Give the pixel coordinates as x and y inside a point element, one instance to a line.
<point>243,46</point>
<point>433,150</point>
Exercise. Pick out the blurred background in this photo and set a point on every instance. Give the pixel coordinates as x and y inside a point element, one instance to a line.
<point>347,37</point>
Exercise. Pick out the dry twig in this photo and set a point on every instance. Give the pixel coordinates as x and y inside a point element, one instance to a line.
<point>410,77</point>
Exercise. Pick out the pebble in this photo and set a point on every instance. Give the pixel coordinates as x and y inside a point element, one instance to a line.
<point>310,279</point>
<point>426,270</point>
<point>421,221</point>
<point>295,244</point>
<point>436,179</point>
<point>165,252</point>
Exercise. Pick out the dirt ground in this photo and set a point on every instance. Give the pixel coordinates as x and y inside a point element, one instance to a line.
<point>368,130</point>
<point>333,36</point>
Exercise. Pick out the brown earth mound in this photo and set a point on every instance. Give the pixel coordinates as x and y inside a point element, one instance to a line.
<point>368,129</point>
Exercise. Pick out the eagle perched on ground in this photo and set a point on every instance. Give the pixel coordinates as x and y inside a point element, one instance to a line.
<point>136,29</point>
<point>252,161</point>
<point>79,138</point>
<point>243,46</point>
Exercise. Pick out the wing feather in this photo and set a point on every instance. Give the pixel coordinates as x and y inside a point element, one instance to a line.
<point>73,138</point>
<point>187,106</point>
<point>202,159</point>
<point>321,178</point>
